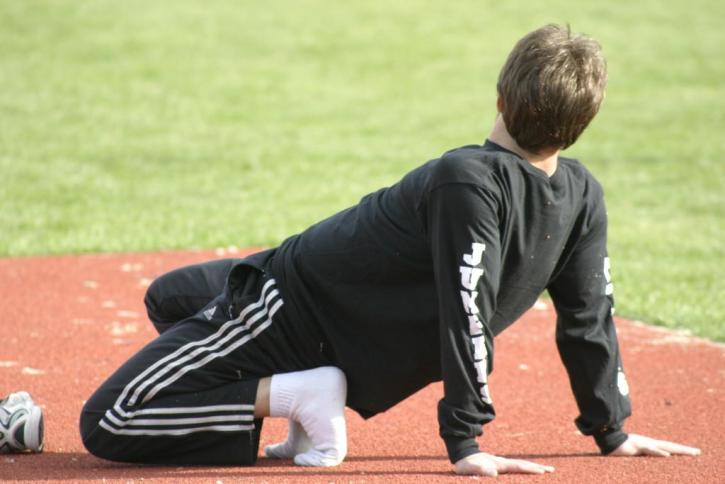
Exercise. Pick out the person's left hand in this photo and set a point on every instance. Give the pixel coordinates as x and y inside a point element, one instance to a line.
<point>641,445</point>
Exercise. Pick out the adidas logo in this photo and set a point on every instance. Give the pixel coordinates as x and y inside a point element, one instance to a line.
<point>209,313</point>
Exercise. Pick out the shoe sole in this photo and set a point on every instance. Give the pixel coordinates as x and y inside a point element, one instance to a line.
<point>34,429</point>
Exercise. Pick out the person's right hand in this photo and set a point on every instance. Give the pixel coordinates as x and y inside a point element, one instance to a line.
<point>641,445</point>
<point>483,464</point>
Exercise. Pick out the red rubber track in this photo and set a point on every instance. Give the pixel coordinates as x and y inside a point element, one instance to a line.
<point>68,322</point>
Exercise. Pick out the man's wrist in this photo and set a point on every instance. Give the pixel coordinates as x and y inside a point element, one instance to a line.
<point>458,448</point>
<point>608,440</point>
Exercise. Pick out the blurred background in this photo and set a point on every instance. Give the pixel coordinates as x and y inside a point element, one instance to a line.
<point>140,126</point>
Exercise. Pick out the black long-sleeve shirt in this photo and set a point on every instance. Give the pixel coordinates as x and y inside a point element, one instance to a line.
<point>410,286</point>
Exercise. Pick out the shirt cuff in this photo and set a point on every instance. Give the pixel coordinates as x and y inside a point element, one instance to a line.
<point>458,448</point>
<point>609,440</point>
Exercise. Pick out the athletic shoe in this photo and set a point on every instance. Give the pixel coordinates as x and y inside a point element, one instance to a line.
<point>21,424</point>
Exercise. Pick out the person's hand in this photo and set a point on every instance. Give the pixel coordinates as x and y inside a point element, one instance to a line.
<point>483,464</point>
<point>641,445</point>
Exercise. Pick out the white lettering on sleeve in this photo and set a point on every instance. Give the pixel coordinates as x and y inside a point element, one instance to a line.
<point>475,326</point>
<point>481,372</point>
<point>476,255</point>
<point>470,277</point>
<point>469,301</point>
<point>479,348</point>
<point>485,395</point>
<point>482,379</point>
<point>482,368</point>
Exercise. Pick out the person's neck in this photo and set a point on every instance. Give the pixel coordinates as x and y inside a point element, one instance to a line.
<point>545,160</point>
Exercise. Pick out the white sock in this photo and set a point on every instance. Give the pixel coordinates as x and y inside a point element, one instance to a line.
<point>316,400</point>
<point>297,443</point>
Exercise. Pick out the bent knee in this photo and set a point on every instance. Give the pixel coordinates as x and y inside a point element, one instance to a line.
<point>153,307</point>
<point>92,435</point>
<point>96,439</point>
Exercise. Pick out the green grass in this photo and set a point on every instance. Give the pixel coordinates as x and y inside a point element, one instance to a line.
<point>128,126</point>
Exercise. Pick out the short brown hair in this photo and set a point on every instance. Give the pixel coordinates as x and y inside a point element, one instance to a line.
<point>551,86</point>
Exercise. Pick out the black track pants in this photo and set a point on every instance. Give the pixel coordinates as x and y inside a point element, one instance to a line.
<point>188,396</point>
<point>183,292</point>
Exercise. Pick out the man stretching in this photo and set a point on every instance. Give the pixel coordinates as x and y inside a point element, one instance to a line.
<point>408,287</point>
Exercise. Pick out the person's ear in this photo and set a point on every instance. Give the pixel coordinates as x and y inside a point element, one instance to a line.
<point>499,104</point>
